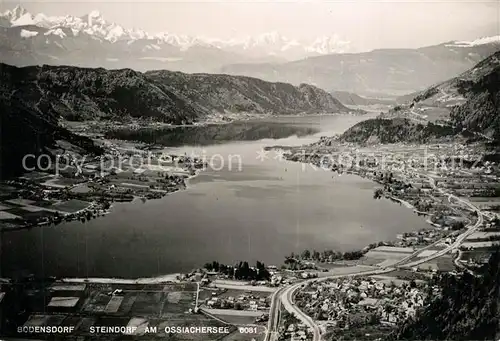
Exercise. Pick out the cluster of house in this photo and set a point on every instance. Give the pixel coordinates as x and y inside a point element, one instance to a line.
<point>276,279</point>
<point>298,331</point>
<point>242,302</point>
<point>418,238</point>
<point>385,300</point>
<point>289,276</point>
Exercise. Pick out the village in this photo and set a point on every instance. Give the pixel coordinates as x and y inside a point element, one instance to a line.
<point>357,303</point>
<point>79,187</point>
<point>416,176</point>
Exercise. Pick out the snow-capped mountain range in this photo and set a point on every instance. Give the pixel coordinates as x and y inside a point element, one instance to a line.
<point>93,24</point>
<point>91,41</point>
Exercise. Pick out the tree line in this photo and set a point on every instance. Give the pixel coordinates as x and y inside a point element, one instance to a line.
<point>242,270</point>
<point>324,256</point>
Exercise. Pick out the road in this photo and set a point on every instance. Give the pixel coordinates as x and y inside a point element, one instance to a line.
<point>459,240</point>
<point>197,296</point>
<point>287,300</point>
<point>286,297</point>
<point>274,312</point>
<point>285,294</point>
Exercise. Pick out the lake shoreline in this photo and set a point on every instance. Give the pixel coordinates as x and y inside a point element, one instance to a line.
<point>201,203</point>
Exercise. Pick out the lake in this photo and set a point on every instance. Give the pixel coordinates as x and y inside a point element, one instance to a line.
<point>244,208</point>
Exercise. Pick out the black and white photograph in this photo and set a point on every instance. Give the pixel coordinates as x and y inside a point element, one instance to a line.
<point>249,170</point>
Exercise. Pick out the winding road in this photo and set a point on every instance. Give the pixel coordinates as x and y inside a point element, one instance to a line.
<point>285,295</point>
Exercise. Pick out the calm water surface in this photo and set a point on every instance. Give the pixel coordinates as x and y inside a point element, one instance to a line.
<point>262,212</point>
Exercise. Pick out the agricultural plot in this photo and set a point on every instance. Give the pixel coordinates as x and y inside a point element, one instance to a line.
<point>114,304</point>
<point>4,215</point>
<point>238,320</point>
<point>426,253</point>
<point>83,326</point>
<point>71,206</point>
<point>97,302</point>
<point>129,305</point>
<point>178,302</point>
<point>35,175</point>
<point>445,263</point>
<point>148,303</point>
<point>236,293</point>
<point>385,255</point>
<point>64,182</point>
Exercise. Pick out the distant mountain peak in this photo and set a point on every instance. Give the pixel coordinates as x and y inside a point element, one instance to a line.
<point>18,16</point>
<point>271,43</point>
<point>19,11</point>
<point>330,44</point>
<point>272,36</point>
<point>94,14</point>
<point>94,18</point>
<point>476,42</point>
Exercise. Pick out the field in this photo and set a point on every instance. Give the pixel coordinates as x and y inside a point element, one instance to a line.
<point>236,293</point>
<point>36,210</point>
<point>443,263</point>
<point>385,255</point>
<point>31,212</point>
<point>237,319</point>
<point>407,275</point>
<point>71,206</point>
<point>476,255</point>
<point>121,305</point>
<point>155,300</point>
<point>61,181</point>
<point>426,253</point>
<point>479,245</point>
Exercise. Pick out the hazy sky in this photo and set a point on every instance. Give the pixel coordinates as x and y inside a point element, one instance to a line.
<point>367,24</point>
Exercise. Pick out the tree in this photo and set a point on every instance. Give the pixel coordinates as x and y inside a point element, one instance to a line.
<point>457,225</point>
<point>373,319</point>
<point>378,193</point>
<point>262,273</point>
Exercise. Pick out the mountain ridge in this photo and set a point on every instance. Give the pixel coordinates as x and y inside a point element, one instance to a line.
<point>469,102</point>
<point>172,97</point>
<point>326,61</point>
<point>349,98</point>
<point>25,130</point>
<point>35,99</point>
<point>391,71</point>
